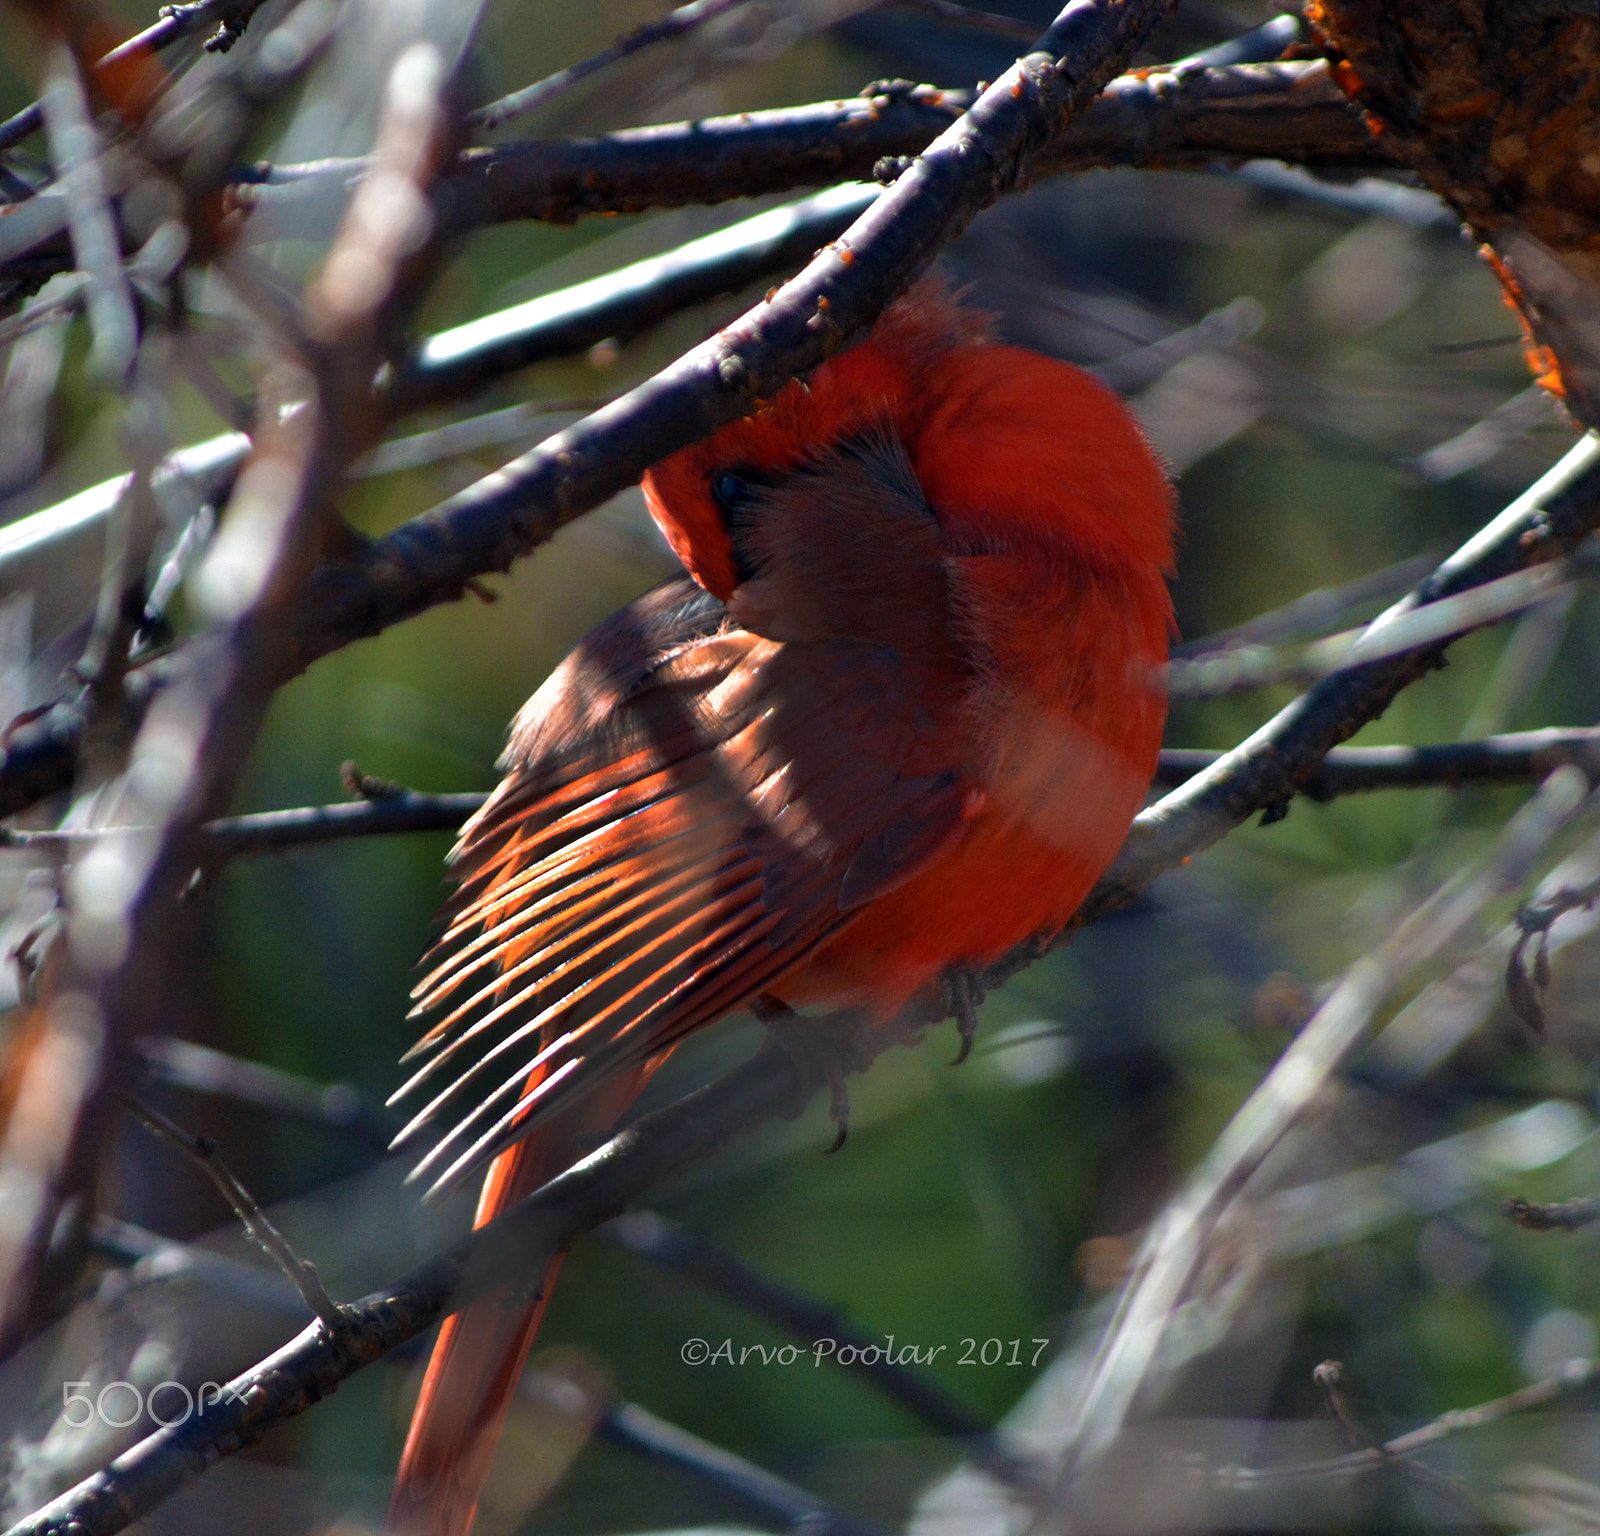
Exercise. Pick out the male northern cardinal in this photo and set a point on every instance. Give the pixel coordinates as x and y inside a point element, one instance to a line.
<point>899,720</point>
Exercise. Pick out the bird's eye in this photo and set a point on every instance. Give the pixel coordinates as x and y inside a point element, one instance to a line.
<point>731,492</point>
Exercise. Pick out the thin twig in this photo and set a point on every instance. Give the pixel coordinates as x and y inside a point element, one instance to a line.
<point>1175,117</point>
<point>1245,667</point>
<point>636,1429</point>
<point>1533,923</point>
<point>652,1152</point>
<point>620,305</point>
<point>1562,1216</point>
<point>1328,1376</point>
<point>201,1069</point>
<point>1315,613</point>
<point>176,21</point>
<point>685,19</point>
<point>1171,118</point>
<point>75,149</point>
<point>1179,1241</point>
<point>1521,757</point>
<point>1570,1378</point>
<point>258,1225</point>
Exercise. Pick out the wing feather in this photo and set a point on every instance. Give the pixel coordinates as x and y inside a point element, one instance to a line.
<point>691,810</point>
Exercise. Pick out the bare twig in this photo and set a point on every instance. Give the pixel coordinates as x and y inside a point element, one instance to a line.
<point>75,149</point>
<point>1329,1376</point>
<point>201,1069</point>
<point>622,304</point>
<point>258,1225</point>
<point>1562,1216</point>
<point>1173,117</point>
<point>673,1247</point>
<point>1572,1377</point>
<point>636,1429</point>
<point>176,21</point>
<point>1173,1254</point>
<point>653,1151</point>
<point>1315,613</point>
<point>675,24</point>
<point>1519,758</point>
<point>1533,923</point>
<point>1243,667</point>
<point>1523,757</point>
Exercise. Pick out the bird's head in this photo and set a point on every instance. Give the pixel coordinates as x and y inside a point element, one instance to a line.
<point>1010,449</point>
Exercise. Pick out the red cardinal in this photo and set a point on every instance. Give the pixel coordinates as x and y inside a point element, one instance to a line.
<point>900,720</point>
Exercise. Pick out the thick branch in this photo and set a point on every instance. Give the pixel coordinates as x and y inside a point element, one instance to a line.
<point>520,1243</point>
<point>1170,118</point>
<point>994,149</point>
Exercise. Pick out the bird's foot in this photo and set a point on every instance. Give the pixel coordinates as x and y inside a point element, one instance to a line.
<point>829,1046</point>
<point>963,1004</point>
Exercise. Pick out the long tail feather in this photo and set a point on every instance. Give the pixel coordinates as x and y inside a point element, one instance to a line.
<point>481,1351</point>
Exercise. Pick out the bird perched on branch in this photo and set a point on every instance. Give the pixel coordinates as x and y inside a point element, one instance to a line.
<point>898,720</point>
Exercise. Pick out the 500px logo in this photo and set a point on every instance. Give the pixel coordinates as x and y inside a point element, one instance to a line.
<point>120,1404</point>
<point>1026,1352</point>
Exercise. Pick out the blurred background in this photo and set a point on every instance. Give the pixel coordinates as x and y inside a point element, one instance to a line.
<point>1338,388</point>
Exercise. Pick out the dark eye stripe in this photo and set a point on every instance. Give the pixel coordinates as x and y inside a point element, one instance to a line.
<point>736,493</point>
<point>732,493</point>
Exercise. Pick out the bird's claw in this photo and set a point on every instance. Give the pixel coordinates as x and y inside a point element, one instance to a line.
<point>821,1047</point>
<point>965,1007</point>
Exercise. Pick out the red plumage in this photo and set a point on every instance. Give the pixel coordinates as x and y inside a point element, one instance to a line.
<point>904,725</point>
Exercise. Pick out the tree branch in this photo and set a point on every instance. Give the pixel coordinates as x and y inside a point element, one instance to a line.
<point>312,1365</point>
<point>258,1226</point>
<point>636,1429</point>
<point>176,21</point>
<point>1571,1377</point>
<point>1523,757</point>
<point>1173,118</point>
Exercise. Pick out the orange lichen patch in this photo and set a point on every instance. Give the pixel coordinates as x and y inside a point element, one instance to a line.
<point>1346,78</point>
<point>1539,360</point>
<point>1483,104</point>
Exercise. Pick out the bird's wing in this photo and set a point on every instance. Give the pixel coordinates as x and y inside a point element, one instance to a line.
<point>691,810</point>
